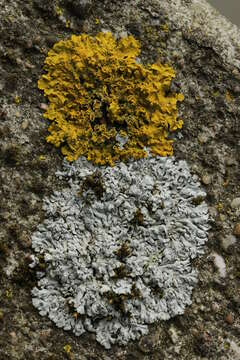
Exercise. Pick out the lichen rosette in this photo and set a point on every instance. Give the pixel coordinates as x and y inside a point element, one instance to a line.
<point>99,91</point>
<point>117,245</point>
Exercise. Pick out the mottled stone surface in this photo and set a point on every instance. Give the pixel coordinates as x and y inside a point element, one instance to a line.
<point>204,50</point>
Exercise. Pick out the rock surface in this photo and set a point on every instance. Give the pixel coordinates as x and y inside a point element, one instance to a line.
<point>203,47</point>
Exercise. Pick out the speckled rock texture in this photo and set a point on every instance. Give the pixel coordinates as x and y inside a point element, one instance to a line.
<point>204,50</point>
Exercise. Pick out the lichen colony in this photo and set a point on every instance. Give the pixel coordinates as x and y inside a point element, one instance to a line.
<point>118,244</point>
<point>98,90</point>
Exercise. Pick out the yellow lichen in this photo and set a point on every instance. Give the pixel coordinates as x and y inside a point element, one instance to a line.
<point>8,293</point>
<point>42,157</point>
<point>165,28</point>
<point>68,23</point>
<point>17,99</point>
<point>67,348</point>
<point>59,11</point>
<point>97,90</point>
<point>228,96</point>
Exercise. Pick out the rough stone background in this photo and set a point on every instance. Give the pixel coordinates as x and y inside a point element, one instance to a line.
<point>204,49</point>
<point>230,9</point>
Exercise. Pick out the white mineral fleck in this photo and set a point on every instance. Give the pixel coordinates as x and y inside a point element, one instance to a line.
<point>220,265</point>
<point>121,140</point>
<point>120,261</point>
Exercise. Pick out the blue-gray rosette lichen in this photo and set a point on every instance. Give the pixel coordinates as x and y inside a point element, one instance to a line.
<point>118,245</point>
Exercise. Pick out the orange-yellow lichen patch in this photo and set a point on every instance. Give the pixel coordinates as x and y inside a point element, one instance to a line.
<point>98,90</point>
<point>228,97</point>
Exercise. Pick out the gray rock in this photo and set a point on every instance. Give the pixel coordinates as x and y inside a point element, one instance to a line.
<point>235,204</point>
<point>227,241</point>
<point>220,264</point>
<point>79,8</point>
<point>173,334</point>
<point>203,48</point>
<point>206,179</point>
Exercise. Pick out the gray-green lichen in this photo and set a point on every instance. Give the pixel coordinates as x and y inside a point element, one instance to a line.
<point>122,260</point>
